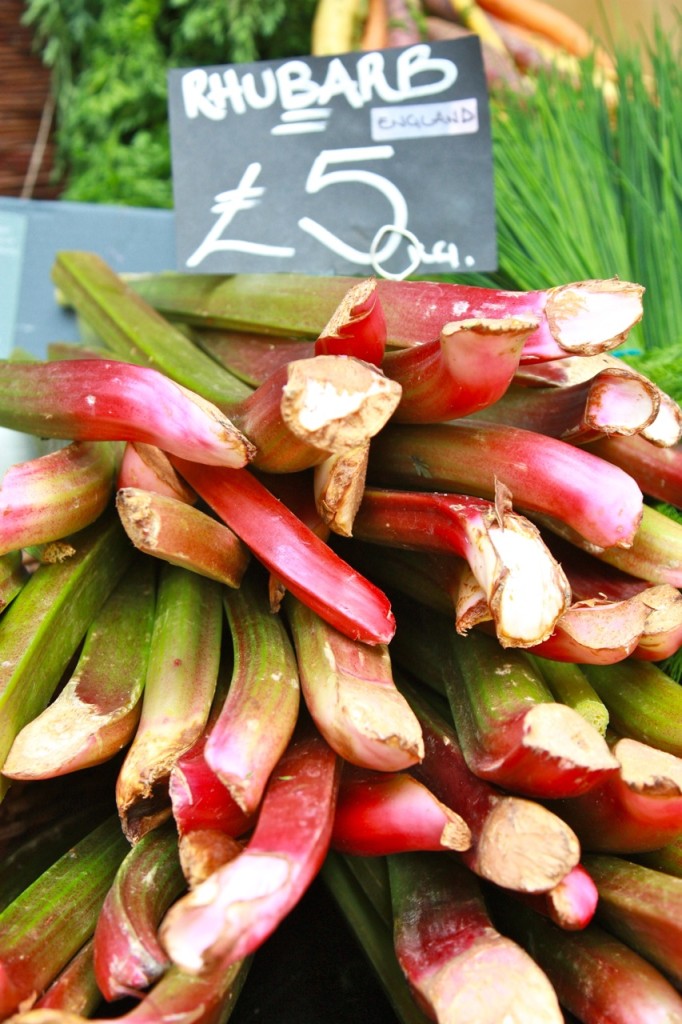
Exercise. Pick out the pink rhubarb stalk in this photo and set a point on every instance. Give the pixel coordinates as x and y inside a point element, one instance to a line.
<point>259,714</point>
<point>127,956</point>
<point>511,730</point>
<point>658,471</point>
<point>293,553</point>
<point>543,475</point>
<point>349,691</point>
<point>637,809</point>
<point>312,408</point>
<point>104,400</point>
<point>525,587</point>
<point>467,368</point>
<point>231,913</point>
<point>571,904</point>
<point>378,813</point>
<point>614,402</point>
<point>147,467</point>
<point>53,495</point>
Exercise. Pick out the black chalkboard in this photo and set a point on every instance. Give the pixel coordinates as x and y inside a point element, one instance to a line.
<point>361,163</point>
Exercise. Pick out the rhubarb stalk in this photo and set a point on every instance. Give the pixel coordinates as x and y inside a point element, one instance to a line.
<point>53,495</point>
<point>378,813</point>
<point>179,687</point>
<point>127,955</point>
<point>95,713</point>
<point>349,691</point>
<point>233,911</point>
<point>293,553</point>
<point>511,731</point>
<point>543,475</point>
<point>450,950</point>
<point>102,400</point>
<point>258,717</point>
<point>42,628</point>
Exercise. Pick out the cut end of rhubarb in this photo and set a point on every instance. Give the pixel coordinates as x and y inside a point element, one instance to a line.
<point>525,847</point>
<point>493,981</point>
<point>645,769</point>
<point>563,734</point>
<point>593,316</point>
<point>339,488</point>
<point>336,402</point>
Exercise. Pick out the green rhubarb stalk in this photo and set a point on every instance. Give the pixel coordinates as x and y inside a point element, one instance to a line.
<point>13,576</point>
<point>570,685</point>
<point>374,936</point>
<point>180,683</point>
<point>643,702</point>
<point>667,858</point>
<point>178,533</point>
<point>128,956</point>
<point>96,712</point>
<point>47,925</point>
<point>135,332</point>
<point>349,691</point>
<point>42,628</point>
<point>642,907</point>
<point>258,717</point>
<point>56,494</point>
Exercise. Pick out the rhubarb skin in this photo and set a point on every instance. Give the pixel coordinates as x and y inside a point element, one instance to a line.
<point>199,799</point>
<point>105,400</point>
<point>147,467</point>
<point>634,811</point>
<point>658,471</point>
<point>379,813</point>
<point>542,474</point>
<point>350,693</point>
<point>467,368</point>
<point>293,553</point>
<point>53,495</point>
<point>643,908</point>
<point>13,575</point>
<point>458,965</point>
<point>233,912</point>
<point>175,532</point>
<point>571,904</point>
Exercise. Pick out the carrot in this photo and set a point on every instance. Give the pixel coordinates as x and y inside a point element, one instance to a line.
<point>375,30</point>
<point>471,15</point>
<point>541,17</point>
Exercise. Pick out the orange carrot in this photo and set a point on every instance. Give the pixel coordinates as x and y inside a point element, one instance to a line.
<point>541,17</point>
<point>375,30</point>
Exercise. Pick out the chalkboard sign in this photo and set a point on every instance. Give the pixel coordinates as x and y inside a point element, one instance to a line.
<point>362,163</point>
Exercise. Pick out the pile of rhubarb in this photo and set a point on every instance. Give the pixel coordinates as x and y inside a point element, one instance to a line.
<point>364,581</point>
